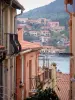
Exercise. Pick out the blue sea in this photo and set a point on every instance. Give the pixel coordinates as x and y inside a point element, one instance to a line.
<point>63,63</point>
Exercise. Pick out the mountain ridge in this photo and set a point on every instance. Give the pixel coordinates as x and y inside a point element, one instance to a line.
<point>54,11</point>
<point>46,11</point>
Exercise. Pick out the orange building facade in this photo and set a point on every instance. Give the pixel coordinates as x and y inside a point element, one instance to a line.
<point>26,66</point>
<point>72,46</point>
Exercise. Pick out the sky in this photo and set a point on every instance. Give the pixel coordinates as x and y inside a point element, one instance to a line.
<point>31,4</point>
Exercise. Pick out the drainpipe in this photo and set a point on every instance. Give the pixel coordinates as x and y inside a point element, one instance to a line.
<point>0,23</point>
<point>15,20</point>
<point>22,76</point>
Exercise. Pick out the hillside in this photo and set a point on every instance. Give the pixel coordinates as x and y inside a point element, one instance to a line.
<point>54,11</point>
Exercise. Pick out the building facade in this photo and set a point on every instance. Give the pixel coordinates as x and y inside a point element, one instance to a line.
<point>8,38</point>
<point>26,67</point>
<point>72,46</point>
<point>2,57</point>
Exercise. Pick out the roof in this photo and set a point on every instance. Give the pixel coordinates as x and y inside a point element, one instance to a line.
<point>15,4</point>
<point>29,45</point>
<point>63,84</point>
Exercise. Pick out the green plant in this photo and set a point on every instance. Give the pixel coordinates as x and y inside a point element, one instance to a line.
<point>53,64</point>
<point>74,76</point>
<point>47,94</point>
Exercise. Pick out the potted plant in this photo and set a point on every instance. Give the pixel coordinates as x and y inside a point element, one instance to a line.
<point>53,64</point>
<point>74,76</point>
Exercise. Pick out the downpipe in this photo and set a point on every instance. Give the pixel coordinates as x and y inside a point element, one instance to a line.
<point>16,20</point>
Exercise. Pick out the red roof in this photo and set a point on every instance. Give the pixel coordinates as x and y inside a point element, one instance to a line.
<point>63,83</point>
<point>29,45</point>
<point>26,44</point>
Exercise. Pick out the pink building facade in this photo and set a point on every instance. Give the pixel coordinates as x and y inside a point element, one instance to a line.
<point>26,66</point>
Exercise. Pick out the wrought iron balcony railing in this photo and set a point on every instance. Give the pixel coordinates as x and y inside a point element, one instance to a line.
<point>39,81</point>
<point>12,44</point>
<point>2,55</point>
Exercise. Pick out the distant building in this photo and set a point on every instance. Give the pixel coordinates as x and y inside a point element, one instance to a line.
<point>45,33</point>
<point>53,24</point>
<point>58,28</point>
<point>42,21</point>
<point>45,27</point>
<point>44,39</point>
<point>22,19</point>
<point>48,49</point>
<point>35,33</point>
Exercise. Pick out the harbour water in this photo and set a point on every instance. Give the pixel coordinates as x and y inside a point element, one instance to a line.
<point>63,63</point>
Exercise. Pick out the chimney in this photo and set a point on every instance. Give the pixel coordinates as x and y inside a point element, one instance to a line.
<point>20,34</point>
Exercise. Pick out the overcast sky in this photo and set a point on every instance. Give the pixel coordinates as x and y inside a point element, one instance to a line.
<point>31,4</point>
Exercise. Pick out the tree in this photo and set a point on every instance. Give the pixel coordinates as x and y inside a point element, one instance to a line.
<point>66,33</point>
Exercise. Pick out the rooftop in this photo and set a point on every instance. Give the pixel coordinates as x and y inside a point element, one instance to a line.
<point>15,4</point>
<point>29,45</point>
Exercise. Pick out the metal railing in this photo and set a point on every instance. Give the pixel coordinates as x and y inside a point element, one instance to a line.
<point>39,81</point>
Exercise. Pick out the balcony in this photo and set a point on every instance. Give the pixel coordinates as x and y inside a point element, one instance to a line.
<point>38,82</point>
<point>12,44</point>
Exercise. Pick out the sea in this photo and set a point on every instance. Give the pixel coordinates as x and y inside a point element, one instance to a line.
<point>62,63</point>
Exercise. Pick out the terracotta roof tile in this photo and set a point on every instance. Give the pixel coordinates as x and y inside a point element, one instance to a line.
<point>63,83</point>
<point>29,45</point>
